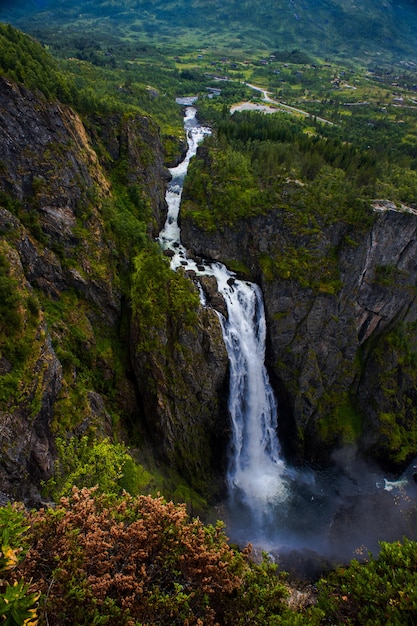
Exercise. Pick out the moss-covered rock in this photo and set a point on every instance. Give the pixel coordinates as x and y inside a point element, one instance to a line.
<point>30,381</point>
<point>64,354</point>
<point>181,364</point>
<point>328,311</point>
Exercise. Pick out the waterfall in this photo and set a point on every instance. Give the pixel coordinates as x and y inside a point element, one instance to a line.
<point>271,504</point>
<point>255,466</point>
<point>170,237</point>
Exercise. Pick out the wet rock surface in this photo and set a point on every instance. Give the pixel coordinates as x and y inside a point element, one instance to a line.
<point>316,339</point>
<point>59,250</point>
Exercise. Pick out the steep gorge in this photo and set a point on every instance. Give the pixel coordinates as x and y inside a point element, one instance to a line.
<point>341,358</point>
<point>79,199</point>
<point>99,336</point>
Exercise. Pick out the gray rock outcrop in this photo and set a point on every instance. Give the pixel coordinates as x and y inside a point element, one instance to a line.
<point>61,372</point>
<point>331,351</point>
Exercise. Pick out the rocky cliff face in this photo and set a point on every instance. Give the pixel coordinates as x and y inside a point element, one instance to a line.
<point>48,167</point>
<point>340,358</point>
<point>341,353</point>
<point>136,140</point>
<point>65,263</point>
<point>184,389</point>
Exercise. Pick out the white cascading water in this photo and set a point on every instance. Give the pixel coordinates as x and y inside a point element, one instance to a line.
<point>255,470</point>
<point>255,467</point>
<point>269,503</point>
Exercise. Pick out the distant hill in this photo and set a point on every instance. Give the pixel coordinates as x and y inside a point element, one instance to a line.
<point>366,31</point>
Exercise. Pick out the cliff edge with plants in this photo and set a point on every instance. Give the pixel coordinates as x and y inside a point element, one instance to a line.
<point>296,213</point>
<point>81,197</point>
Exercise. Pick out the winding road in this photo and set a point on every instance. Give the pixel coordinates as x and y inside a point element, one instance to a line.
<point>273,106</point>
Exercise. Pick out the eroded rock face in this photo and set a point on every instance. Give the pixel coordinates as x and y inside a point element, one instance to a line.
<point>50,169</point>
<point>44,148</point>
<point>387,274</point>
<point>183,387</point>
<point>26,440</point>
<point>136,139</point>
<point>322,346</point>
<point>57,250</point>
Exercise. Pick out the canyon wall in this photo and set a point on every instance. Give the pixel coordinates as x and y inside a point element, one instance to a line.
<point>340,356</point>
<point>75,355</point>
<point>79,198</point>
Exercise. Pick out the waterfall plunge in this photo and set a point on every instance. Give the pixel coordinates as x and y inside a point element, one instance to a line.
<point>274,506</point>
<point>255,467</point>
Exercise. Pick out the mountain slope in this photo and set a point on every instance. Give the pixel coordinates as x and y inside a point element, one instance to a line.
<point>80,198</point>
<point>364,31</point>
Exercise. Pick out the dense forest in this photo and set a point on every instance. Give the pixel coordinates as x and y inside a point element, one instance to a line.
<point>66,554</point>
<point>305,169</point>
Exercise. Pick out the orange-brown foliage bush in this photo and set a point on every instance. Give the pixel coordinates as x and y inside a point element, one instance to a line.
<point>140,560</point>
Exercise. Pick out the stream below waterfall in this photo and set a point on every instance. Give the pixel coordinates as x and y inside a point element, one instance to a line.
<point>276,507</point>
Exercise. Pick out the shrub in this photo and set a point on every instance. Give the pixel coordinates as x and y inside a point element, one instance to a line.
<point>83,462</point>
<point>18,602</point>
<point>18,605</point>
<point>102,560</point>
<point>378,592</point>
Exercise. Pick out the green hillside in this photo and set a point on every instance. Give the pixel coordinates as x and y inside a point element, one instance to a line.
<point>368,31</point>
<point>87,300</point>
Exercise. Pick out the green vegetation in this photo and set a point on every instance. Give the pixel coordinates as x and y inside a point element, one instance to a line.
<point>24,60</point>
<point>18,605</point>
<point>395,356</point>
<point>343,424</point>
<point>18,601</point>
<point>85,351</point>
<point>88,462</point>
<point>10,319</point>
<point>379,591</point>
<point>180,571</point>
<point>223,189</point>
<point>259,163</point>
<point>160,295</point>
<point>333,30</point>
<point>20,340</point>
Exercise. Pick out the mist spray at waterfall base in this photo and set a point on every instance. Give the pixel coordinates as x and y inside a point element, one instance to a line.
<point>325,517</point>
<point>283,510</point>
